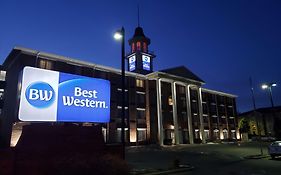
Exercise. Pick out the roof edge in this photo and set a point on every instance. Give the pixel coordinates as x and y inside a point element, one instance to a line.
<point>75,61</point>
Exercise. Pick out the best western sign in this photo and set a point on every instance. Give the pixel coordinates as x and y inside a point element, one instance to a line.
<point>54,96</point>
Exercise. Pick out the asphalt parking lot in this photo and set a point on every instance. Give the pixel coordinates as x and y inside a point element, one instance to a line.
<point>219,159</point>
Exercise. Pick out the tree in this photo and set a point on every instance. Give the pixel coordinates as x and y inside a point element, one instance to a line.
<point>244,126</point>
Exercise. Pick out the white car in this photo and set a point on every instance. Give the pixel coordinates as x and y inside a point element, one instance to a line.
<point>274,149</point>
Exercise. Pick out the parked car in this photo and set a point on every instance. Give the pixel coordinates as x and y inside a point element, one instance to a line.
<point>274,149</point>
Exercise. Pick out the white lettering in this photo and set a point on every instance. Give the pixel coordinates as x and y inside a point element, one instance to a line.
<point>33,94</point>
<point>69,101</point>
<point>44,96</point>
<point>77,91</point>
<point>85,93</point>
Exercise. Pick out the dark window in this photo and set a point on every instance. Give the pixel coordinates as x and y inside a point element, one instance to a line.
<point>141,114</point>
<point>119,113</point>
<point>181,89</point>
<point>205,109</point>
<point>140,98</point>
<point>204,96</point>
<point>214,119</point>
<point>205,119</point>
<point>183,102</point>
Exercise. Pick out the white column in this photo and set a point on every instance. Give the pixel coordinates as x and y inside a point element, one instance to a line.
<point>159,111</point>
<point>175,114</point>
<point>201,115</point>
<point>188,112</point>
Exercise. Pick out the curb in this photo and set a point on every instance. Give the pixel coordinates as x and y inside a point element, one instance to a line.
<point>178,170</point>
<point>256,157</point>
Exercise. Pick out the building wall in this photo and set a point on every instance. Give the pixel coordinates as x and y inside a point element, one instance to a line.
<point>180,114</point>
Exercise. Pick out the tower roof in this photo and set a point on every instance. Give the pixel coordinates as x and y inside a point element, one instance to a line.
<point>139,32</point>
<point>139,36</point>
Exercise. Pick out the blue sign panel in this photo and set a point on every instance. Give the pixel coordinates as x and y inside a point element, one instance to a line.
<point>53,96</point>
<point>132,63</point>
<point>146,62</point>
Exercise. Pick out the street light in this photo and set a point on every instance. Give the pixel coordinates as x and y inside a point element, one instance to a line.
<point>269,87</point>
<point>120,35</point>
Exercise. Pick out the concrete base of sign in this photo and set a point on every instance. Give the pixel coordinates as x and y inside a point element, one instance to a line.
<point>65,149</point>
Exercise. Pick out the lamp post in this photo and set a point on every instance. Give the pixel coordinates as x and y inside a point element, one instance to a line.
<point>120,35</point>
<point>269,87</point>
<point>255,114</point>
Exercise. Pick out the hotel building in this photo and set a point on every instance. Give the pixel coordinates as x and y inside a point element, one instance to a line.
<point>162,107</point>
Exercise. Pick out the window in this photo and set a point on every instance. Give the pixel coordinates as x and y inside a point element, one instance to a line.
<point>204,97</point>
<point>170,100</point>
<point>144,47</point>
<point>183,101</point>
<point>196,133</point>
<point>45,64</point>
<point>133,47</point>
<point>139,83</point>
<point>138,46</point>
<point>233,133</point>
<point>1,94</point>
<point>224,132</point>
<point>216,133</point>
<point>119,112</point>
<point>141,134</point>
<point>181,90</point>
<point>118,134</point>
<point>2,75</point>
<point>140,98</point>
<point>140,113</point>
<point>205,108</point>
<point>214,120</point>
<point>207,134</point>
<point>205,118</point>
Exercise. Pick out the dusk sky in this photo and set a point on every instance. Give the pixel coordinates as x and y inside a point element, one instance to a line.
<point>223,42</point>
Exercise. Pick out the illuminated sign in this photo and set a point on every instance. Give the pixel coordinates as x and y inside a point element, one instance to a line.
<point>146,62</point>
<point>132,63</point>
<point>54,96</point>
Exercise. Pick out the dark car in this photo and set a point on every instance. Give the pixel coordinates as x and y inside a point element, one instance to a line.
<point>274,149</point>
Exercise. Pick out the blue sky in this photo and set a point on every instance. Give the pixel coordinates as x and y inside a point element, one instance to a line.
<point>223,42</point>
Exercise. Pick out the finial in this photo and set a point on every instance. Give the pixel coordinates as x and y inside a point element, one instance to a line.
<point>138,15</point>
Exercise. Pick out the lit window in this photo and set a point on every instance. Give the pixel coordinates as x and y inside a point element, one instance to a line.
<point>138,45</point>
<point>45,64</point>
<point>2,75</point>
<point>1,94</point>
<point>170,101</point>
<point>139,83</point>
<point>144,47</point>
<point>133,47</point>
<point>141,134</point>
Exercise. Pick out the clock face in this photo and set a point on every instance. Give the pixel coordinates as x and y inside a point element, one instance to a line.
<point>132,63</point>
<point>146,62</point>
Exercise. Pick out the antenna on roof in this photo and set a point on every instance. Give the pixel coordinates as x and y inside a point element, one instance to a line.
<point>138,15</point>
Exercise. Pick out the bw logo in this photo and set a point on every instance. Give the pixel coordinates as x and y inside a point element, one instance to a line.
<point>40,95</point>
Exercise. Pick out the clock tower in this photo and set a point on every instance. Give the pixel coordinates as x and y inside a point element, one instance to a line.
<point>139,59</point>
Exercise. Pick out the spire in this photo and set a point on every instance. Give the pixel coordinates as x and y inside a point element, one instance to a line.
<point>138,15</point>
